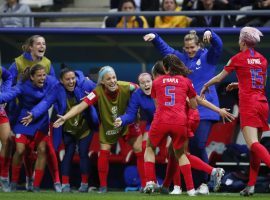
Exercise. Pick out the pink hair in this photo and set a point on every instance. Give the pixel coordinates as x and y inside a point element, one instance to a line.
<point>250,36</point>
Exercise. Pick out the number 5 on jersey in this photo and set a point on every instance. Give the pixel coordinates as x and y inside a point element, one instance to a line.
<point>170,92</point>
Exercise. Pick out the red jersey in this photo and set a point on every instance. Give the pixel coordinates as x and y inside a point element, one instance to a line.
<point>251,70</point>
<point>170,93</point>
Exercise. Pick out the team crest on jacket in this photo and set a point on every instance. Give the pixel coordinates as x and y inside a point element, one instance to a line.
<point>198,63</point>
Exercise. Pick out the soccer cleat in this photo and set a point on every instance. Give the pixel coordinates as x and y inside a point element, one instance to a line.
<point>164,190</point>
<point>5,184</point>
<point>57,187</point>
<point>216,177</point>
<point>29,184</point>
<point>176,190</point>
<point>103,190</point>
<point>191,193</point>
<point>202,189</point>
<point>150,187</point>
<point>66,188</point>
<point>36,189</point>
<point>247,191</point>
<point>13,187</point>
<point>83,187</point>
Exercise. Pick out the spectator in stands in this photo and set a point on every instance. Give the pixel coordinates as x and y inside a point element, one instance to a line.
<point>251,70</point>
<point>260,20</point>
<point>211,21</point>
<point>171,21</point>
<point>202,62</point>
<point>78,130</point>
<point>130,21</point>
<point>13,6</point>
<point>111,97</point>
<point>33,86</point>
<point>5,139</point>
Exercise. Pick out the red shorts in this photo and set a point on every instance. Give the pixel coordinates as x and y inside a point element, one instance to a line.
<point>134,131</point>
<point>158,132</point>
<point>192,127</point>
<point>3,116</point>
<point>31,141</point>
<point>255,115</point>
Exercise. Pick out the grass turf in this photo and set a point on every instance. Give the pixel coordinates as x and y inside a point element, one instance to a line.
<point>50,195</point>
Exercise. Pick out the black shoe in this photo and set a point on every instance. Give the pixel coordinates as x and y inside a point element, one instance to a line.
<point>164,190</point>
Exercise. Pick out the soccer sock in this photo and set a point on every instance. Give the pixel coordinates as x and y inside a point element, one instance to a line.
<point>84,178</point>
<point>176,177</point>
<point>28,160</point>
<point>186,171</point>
<point>16,169</point>
<point>103,167</point>
<point>253,169</point>
<point>171,170</point>
<point>198,164</point>
<point>38,175</point>
<point>140,167</point>
<point>65,179</point>
<point>4,166</point>
<point>150,171</point>
<point>52,162</point>
<point>261,152</point>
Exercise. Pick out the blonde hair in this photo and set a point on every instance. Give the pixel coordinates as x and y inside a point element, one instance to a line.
<point>250,35</point>
<point>104,70</point>
<point>192,36</point>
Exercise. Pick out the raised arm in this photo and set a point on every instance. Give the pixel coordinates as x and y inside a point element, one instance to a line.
<point>215,50</point>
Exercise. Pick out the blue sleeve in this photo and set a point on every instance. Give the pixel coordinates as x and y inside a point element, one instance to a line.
<point>164,49</point>
<point>14,73</point>
<point>215,50</point>
<point>46,102</point>
<point>52,73</point>
<point>9,95</point>
<point>89,85</point>
<point>132,110</point>
<point>7,80</point>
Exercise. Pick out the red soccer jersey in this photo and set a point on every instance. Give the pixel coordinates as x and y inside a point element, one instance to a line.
<point>170,93</point>
<point>251,70</point>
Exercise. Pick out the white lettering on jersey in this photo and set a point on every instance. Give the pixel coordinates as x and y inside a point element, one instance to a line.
<point>252,61</point>
<point>170,80</point>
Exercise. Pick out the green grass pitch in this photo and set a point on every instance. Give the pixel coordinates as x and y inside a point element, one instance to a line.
<point>50,195</point>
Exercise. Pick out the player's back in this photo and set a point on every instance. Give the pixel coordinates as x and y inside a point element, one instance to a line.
<point>171,93</point>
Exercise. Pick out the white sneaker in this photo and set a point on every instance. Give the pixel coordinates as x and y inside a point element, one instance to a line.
<point>176,190</point>
<point>150,187</point>
<point>203,189</point>
<point>191,193</point>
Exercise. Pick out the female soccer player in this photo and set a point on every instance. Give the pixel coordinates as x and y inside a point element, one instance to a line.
<point>34,85</point>
<point>112,97</point>
<point>251,70</point>
<point>202,62</point>
<point>5,153</point>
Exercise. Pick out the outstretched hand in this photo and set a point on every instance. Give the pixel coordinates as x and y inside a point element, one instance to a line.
<point>203,91</point>
<point>28,119</point>
<point>59,122</point>
<point>149,37</point>
<point>207,36</point>
<point>118,122</point>
<point>223,112</point>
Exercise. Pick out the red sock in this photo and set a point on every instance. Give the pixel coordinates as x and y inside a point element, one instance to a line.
<point>186,171</point>
<point>171,170</point>
<point>176,177</point>
<point>4,166</point>
<point>140,167</point>
<point>253,169</point>
<point>261,152</point>
<point>198,164</point>
<point>103,167</point>
<point>28,161</point>
<point>143,145</point>
<point>65,179</point>
<point>150,171</point>
<point>84,178</point>
<point>16,169</point>
<point>38,175</point>
<point>52,162</point>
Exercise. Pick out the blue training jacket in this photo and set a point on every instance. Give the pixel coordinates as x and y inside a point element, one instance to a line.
<point>139,100</point>
<point>58,98</point>
<point>6,78</point>
<point>29,95</point>
<point>203,65</point>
